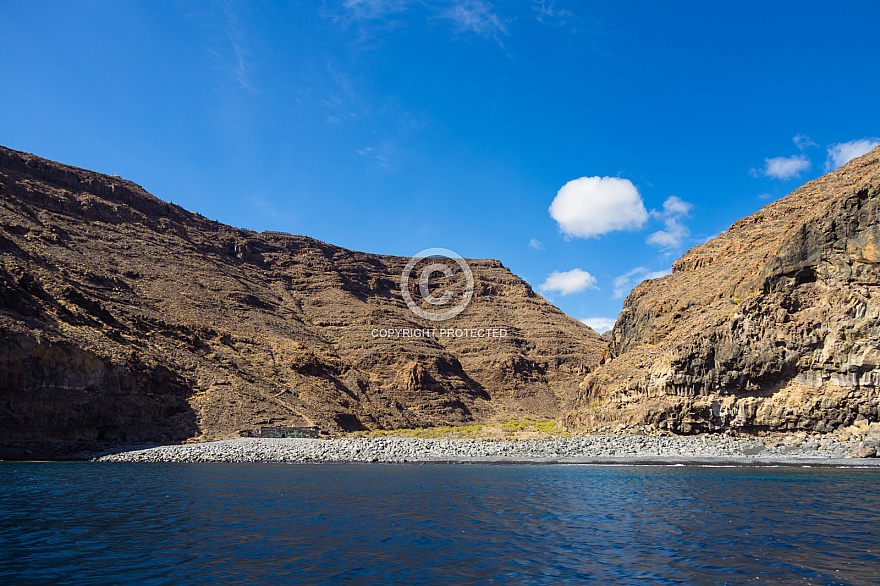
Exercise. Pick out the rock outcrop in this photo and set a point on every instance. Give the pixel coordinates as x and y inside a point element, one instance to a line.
<point>127,318</point>
<point>774,324</point>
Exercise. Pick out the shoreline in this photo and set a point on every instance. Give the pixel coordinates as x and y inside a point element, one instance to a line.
<point>613,449</point>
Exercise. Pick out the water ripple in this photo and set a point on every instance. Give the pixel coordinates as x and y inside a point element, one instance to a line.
<point>112,523</point>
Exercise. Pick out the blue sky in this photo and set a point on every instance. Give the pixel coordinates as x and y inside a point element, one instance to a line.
<point>585,145</point>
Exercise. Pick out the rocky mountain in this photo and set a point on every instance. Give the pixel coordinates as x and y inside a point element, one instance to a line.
<point>773,325</point>
<point>128,318</point>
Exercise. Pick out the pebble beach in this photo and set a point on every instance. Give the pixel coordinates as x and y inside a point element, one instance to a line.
<point>598,449</point>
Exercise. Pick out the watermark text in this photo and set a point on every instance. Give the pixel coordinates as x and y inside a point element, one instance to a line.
<point>439,333</point>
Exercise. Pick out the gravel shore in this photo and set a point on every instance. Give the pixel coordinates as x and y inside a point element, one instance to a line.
<point>609,449</point>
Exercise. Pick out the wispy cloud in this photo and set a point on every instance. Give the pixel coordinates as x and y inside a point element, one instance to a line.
<point>372,19</point>
<point>568,282</point>
<point>842,153</point>
<point>476,16</point>
<point>710,237</point>
<point>674,211</point>
<point>380,154</point>
<point>802,142</point>
<point>269,208</point>
<point>339,118</point>
<point>536,244</point>
<point>624,283</point>
<point>240,67</point>
<point>376,9</point>
<point>466,16</point>
<point>343,100</point>
<point>548,13</point>
<point>232,64</point>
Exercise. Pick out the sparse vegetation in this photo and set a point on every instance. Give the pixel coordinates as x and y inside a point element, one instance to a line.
<point>527,428</point>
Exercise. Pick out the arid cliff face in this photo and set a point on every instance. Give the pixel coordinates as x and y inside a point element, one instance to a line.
<point>126,318</point>
<point>774,324</point>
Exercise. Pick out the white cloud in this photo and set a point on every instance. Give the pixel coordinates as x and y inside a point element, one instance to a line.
<point>600,324</point>
<point>625,283</point>
<point>671,237</point>
<point>674,210</point>
<point>838,154</point>
<point>842,153</point>
<point>536,244</point>
<point>568,282</point>
<point>592,206</point>
<point>784,167</point>
<point>787,167</point>
<point>675,206</point>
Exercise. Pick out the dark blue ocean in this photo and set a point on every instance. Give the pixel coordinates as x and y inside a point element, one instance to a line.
<point>111,523</point>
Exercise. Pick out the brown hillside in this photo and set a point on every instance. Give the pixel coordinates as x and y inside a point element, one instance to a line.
<point>774,324</point>
<point>123,317</point>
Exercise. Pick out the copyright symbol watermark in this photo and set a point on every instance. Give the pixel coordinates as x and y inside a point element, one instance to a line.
<point>442,302</point>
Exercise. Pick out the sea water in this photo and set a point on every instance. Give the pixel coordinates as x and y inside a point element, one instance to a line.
<point>124,523</point>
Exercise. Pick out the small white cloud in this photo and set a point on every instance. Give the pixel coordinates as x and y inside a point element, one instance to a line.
<point>674,210</point>
<point>842,153</point>
<point>671,237</point>
<point>786,167</point>
<point>592,206</point>
<point>624,283</point>
<point>600,324</point>
<point>675,206</point>
<point>536,244</point>
<point>568,282</point>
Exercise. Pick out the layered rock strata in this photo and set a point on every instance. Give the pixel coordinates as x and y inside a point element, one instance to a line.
<point>774,324</point>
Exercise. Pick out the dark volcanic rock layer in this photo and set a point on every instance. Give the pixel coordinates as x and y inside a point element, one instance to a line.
<point>127,318</point>
<point>774,324</point>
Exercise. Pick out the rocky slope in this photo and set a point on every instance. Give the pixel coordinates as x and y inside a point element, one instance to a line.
<point>774,324</point>
<point>127,318</point>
